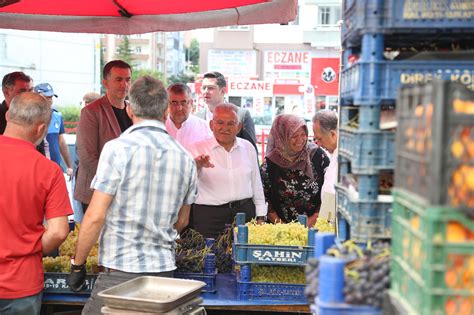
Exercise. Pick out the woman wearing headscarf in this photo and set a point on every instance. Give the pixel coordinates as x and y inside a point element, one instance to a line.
<point>293,171</point>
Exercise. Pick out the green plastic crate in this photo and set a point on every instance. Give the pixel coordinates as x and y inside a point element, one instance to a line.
<point>432,272</point>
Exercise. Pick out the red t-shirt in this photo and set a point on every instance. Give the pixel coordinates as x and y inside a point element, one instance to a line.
<point>31,188</point>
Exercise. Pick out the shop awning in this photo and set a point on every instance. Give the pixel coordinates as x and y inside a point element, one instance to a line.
<point>140,16</point>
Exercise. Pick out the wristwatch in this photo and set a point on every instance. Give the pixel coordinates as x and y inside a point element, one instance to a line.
<point>261,217</point>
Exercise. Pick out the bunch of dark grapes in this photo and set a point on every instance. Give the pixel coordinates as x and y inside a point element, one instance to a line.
<point>222,248</point>
<point>190,239</point>
<point>191,251</point>
<point>367,278</point>
<point>367,271</point>
<point>311,271</point>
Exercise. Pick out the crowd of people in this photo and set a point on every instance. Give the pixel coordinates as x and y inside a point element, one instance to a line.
<point>146,169</point>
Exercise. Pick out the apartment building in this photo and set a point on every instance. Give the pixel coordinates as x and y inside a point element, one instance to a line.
<point>163,52</point>
<point>279,68</point>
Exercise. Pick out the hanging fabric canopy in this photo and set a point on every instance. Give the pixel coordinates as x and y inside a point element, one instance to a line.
<point>140,16</point>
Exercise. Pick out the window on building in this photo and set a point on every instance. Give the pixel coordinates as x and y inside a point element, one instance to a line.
<point>329,15</point>
<point>138,50</point>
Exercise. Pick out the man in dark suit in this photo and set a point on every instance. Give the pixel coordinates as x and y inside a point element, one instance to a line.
<point>213,91</point>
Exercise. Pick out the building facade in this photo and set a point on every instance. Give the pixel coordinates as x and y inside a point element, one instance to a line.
<point>69,62</point>
<point>163,52</point>
<point>273,69</point>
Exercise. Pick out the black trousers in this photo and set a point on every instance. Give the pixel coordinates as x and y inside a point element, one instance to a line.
<point>211,220</point>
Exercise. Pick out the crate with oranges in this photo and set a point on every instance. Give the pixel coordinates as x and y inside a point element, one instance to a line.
<point>435,143</point>
<point>432,267</point>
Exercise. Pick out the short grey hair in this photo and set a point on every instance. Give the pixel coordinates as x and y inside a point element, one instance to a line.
<point>327,120</point>
<point>179,88</point>
<point>148,98</point>
<point>29,108</point>
<point>229,107</point>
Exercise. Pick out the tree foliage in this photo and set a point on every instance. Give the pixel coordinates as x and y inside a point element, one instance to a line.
<point>181,77</point>
<point>154,73</point>
<point>124,51</point>
<point>192,53</point>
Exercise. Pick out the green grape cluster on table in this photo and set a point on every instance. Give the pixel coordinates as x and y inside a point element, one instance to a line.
<point>278,274</point>
<point>62,263</point>
<point>323,225</point>
<point>290,234</point>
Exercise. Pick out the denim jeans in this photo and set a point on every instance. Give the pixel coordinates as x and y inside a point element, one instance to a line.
<point>30,305</point>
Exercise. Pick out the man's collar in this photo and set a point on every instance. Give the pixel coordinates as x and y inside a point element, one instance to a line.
<point>216,144</point>
<point>145,123</point>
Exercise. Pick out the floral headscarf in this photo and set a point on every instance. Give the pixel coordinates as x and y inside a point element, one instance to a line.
<point>278,148</point>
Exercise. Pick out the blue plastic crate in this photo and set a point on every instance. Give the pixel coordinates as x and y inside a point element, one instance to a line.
<point>248,290</point>
<point>368,219</point>
<point>406,16</point>
<point>345,309</point>
<point>56,282</point>
<point>245,253</point>
<point>368,151</point>
<point>356,88</point>
<point>208,278</point>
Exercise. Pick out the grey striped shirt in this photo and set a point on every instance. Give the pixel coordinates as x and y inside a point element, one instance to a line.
<point>150,176</point>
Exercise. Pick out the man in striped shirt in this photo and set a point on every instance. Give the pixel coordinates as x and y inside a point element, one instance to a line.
<point>144,185</point>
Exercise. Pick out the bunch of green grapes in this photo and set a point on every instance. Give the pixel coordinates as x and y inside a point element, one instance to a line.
<point>68,247</point>
<point>91,264</point>
<point>293,234</point>
<point>323,225</point>
<point>57,264</point>
<point>278,274</point>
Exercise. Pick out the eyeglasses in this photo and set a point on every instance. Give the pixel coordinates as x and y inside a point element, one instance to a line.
<point>221,123</point>
<point>209,87</point>
<point>182,103</point>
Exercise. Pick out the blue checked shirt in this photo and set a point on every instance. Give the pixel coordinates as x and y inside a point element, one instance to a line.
<point>150,176</point>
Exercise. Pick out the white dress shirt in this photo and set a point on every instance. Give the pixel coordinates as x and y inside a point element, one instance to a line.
<point>235,175</point>
<point>330,176</point>
<point>193,130</point>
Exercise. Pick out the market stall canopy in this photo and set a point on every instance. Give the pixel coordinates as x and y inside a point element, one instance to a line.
<point>140,16</point>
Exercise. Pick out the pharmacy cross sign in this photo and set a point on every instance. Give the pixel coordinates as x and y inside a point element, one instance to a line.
<point>134,17</point>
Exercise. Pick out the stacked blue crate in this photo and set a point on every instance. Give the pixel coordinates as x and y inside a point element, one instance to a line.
<point>245,255</point>
<point>369,81</point>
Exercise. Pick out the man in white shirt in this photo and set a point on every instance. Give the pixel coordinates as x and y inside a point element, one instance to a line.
<point>228,176</point>
<point>185,128</point>
<point>325,135</point>
<point>213,91</point>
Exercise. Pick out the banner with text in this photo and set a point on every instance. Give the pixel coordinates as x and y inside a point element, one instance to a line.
<point>287,67</point>
<point>249,88</point>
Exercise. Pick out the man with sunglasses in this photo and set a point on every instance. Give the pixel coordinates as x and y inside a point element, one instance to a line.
<point>213,91</point>
<point>185,128</point>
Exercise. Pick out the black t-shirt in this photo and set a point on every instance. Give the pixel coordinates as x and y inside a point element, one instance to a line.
<point>122,118</point>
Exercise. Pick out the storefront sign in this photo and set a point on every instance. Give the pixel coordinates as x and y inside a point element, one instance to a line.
<point>250,88</point>
<point>241,63</point>
<point>287,65</point>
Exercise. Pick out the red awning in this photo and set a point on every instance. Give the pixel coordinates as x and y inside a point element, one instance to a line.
<point>140,16</point>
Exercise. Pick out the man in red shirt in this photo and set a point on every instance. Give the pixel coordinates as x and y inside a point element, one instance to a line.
<point>32,189</point>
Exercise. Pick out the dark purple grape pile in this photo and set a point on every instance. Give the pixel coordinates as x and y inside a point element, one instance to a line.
<point>190,252</point>
<point>222,248</point>
<point>367,272</point>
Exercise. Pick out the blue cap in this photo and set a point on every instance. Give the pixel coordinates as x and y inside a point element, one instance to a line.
<point>46,89</point>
